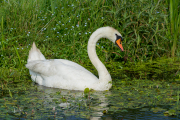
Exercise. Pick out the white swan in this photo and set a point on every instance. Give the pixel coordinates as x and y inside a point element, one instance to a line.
<point>65,74</point>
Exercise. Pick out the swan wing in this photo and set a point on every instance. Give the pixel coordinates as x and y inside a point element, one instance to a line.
<point>63,69</point>
<point>72,64</point>
<point>42,67</point>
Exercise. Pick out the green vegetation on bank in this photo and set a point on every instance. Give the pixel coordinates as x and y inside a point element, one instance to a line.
<point>61,29</point>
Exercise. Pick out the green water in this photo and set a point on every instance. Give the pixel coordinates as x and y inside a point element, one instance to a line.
<point>136,101</point>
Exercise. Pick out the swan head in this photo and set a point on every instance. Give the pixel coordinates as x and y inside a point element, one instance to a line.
<point>113,35</point>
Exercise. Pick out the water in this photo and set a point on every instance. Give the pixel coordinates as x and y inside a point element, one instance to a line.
<point>38,102</point>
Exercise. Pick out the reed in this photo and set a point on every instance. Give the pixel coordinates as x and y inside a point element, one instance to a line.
<point>2,35</point>
<point>19,58</point>
<point>174,23</point>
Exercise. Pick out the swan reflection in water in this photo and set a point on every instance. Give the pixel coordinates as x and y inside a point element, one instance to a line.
<point>75,103</point>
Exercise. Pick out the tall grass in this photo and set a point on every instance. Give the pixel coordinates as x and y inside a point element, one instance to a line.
<point>61,29</point>
<point>174,10</point>
<point>2,35</point>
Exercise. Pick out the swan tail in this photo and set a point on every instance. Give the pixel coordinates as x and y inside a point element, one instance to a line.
<point>35,54</point>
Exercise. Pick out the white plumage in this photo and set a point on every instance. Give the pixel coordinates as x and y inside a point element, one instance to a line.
<point>65,74</point>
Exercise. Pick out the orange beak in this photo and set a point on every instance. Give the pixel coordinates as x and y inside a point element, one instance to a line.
<point>119,44</point>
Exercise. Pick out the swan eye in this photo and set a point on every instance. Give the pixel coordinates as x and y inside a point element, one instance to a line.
<point>118,37</point>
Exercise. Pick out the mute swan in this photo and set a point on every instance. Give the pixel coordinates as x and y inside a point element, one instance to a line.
<point>65,74</point>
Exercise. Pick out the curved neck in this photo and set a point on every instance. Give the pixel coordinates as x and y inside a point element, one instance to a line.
<point>102,71</point>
